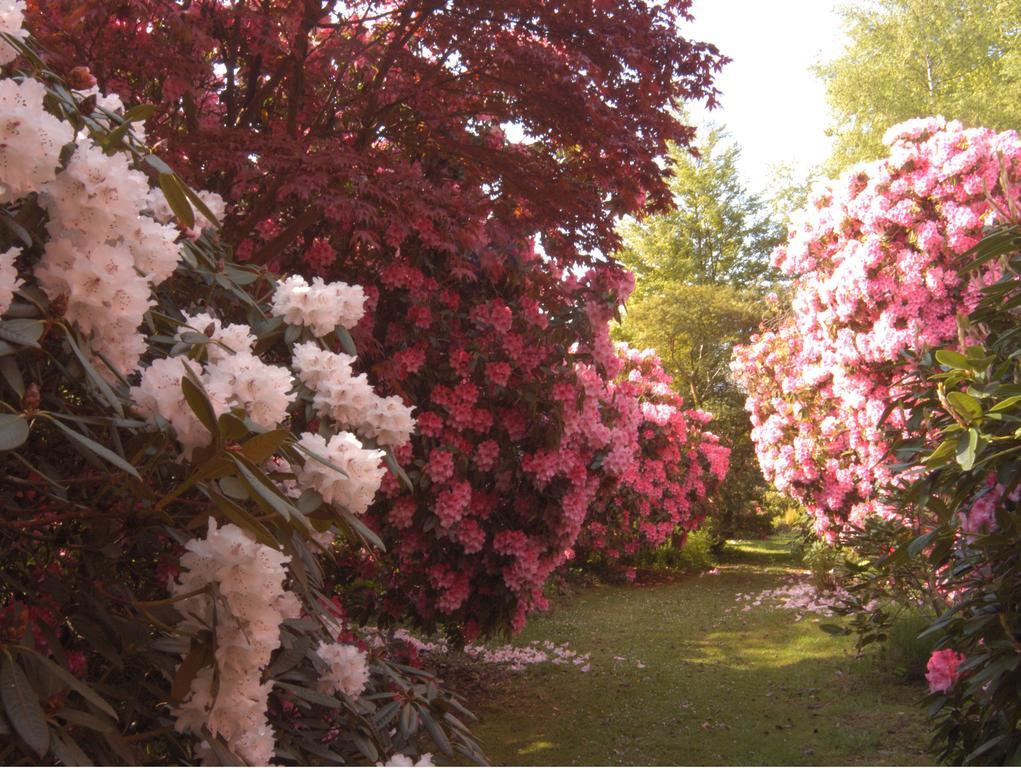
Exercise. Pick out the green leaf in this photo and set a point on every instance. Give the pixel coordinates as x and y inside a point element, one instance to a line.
<point>952,359</point>
<point>160,166</point>
<point>237,515</point>
<point>233,488</point>
<point>99,450</point>
<point>12,375</point>
<point>198,203</point>
<point>199,404</point>
<point>99,381</point>
<point>1003,405</point>
<point>173,190</point>
<point>70,681</point>
<point>231,427</point>
<point>21,705</point>
<point>23,332</point>
<point>941,454</point>
<point>265,489</point>
<point>435,731</point>
<point>966,447</point>
<point>965,405</point>
<point>346,342</point>
<point>315,697</point>
<point>199,655</point>
<point>13,431</point>
<point>260,447</point>
<point>139,113</point>
<point>66,750</point>
<point>366,534</point>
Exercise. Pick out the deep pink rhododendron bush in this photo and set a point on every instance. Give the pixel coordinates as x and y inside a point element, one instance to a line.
<point>874,259</point>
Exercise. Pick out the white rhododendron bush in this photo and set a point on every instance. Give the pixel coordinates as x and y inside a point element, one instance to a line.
<point>183,440</point>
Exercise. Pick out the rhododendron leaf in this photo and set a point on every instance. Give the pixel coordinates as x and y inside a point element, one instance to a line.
<point>72,682</point>
<point>16,229</point>
<point>21,706</point>
<point>360,530</point>
<point>966,447</point>
<point>139,113</point>
<point>231,427</point>
<point>173,191</point>
<point>96,448</point>
<point>240,517</point>
<point>158,164</point>
<point>346,342</point>
<point>309,501</point>
<point>202,207</point>
<point>191,337</point>
<point>199,403</point>
<point>266,491</point>
<point>1006,404</point>
<point>66,750</point>
<point>224,756</point>
<point>23,332</point>
<point>86,720</point>
<point>260,447</point>
<point>965,405</point>
<point>199,655</point>
<point>100,383</point>
<point>435,731</point>
<point>398,470</point>
<point>291,334</point>
<point>233,488</point>
<point>952,359</point>
<point>365,746</point>
<point>315,697</point>
<point>13,431</point>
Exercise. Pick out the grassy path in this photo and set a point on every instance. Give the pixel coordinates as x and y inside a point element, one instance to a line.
<point>744,687</point>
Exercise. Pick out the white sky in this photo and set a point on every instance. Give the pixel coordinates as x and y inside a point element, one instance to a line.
<point>771,103</point>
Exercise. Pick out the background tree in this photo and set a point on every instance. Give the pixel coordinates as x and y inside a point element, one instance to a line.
<point>701,272</point>
<point>718,233</point>
<point>912,58</point>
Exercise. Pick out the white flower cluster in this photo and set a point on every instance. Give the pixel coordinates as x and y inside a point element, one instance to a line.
<point>9,281</point>
<point>320,306</point>
<point>403,761</point>
<point>247,613</point>
<point>353,490</point>
<point>234,378</point>
<point>348,399</point>
<point>349,669</point>
<point>30,137</point>
<point>12,16</point>
<point>103,253</point>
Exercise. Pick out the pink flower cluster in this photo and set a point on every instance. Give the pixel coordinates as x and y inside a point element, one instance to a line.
<point>941,671</point>
<point>523,428</point>
<point>672,464</point>
<point>875,259</point>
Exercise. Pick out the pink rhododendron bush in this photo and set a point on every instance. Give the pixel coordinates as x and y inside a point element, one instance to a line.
<point>668,471</point>
<point>515,437</point>
<point>874,260</point>
<point>184,443</point>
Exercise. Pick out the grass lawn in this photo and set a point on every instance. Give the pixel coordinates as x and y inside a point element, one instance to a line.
<point>744,687</point>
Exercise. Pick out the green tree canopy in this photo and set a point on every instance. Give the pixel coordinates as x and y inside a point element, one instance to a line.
<point>720,233</point>
<point>694,329</point>
<point>913,58</point>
